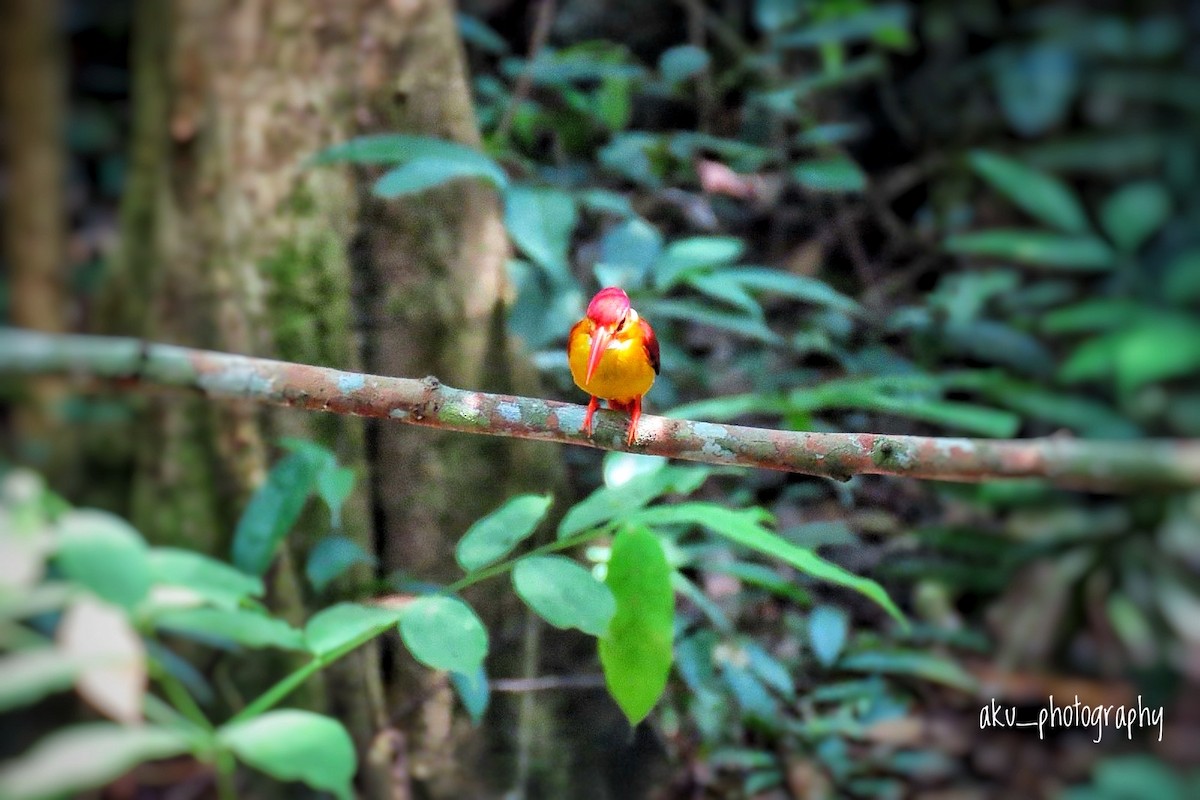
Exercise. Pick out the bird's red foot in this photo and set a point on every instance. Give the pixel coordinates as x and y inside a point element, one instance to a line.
<point>635,413</point>
<point>593,404</point>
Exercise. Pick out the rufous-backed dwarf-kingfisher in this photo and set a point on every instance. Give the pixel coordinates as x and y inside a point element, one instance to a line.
<point>614,356</point>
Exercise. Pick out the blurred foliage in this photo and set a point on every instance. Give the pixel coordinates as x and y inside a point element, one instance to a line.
<point>945,218</point>
<point>952,218</point>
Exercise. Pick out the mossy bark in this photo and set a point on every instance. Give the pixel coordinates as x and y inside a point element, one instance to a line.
<point>230,242</point>
<point>436,265</point>
<point>33,223</point>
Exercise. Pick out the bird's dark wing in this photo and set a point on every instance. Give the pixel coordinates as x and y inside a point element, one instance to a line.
<point>650,342</point>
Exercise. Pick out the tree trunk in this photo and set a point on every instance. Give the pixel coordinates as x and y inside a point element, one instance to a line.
<point>230,242</point>
<point>34,222</point>
<point>437,264</point>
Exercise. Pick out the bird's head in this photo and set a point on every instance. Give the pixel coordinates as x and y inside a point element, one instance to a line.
<point>610,312</point>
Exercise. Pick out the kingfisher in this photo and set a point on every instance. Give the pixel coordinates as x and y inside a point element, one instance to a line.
<point>614,356</point>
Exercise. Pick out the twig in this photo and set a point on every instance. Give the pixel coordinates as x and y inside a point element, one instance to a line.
<point>546,683</point>
<point>537,40</point>
<point>1093,465</point>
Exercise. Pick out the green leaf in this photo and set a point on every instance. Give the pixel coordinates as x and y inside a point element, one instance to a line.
<point>693,254</point>
<point>858,25</point>
<point>473,691</point>
<point>914,663</point>
<point>631,247</point>
<point>540,221</point>
<point>751,695</point>
<point>84,757</point>
<point>763,577</point>
<point>1035,85</point>
<point>743,527</point>
<point>294,745</point>
<point>636,652</point>
<point>339,625</point>
<point>444,633</point>
<point>399,148</point>
<point>1134,213</point>
<point>827,628</point>
<point>1035,248</point>
<point>478,33</point>
<point>1042,196</point>
<point>682,62</point>
<point>702,314</point>
<point>494,536</point>
<point>564,593</point>
<point>222,626</point>
<point>614,103</point>
<point>1182,281</point>
<point>27,676</point>
<point>333,487</point>
<point>797,287</point>
<point>1165,348</point>
<point>723,286</point>
<point>272,512</point>
<point>421,174</point>
<point>772,16</point>
<point>331,557</point>
<point>215,581</point>
<point>1157,349</point>
<point>105,554</point>
<point>612,502</point>
<point>835,174</point>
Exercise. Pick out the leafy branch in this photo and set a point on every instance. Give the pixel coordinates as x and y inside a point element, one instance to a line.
<point>1075,463</point>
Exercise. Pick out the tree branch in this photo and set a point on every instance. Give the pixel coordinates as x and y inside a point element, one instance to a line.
<point>1092,465</point>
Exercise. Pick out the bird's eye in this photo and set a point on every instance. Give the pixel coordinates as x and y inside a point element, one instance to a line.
<point>621,324</point>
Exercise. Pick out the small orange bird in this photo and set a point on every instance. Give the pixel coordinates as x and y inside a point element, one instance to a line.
<point>614,356</point>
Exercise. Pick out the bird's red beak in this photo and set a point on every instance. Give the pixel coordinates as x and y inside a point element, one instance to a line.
<point>600,340</point>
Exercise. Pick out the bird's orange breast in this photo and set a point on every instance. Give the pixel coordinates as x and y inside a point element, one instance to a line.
<point>625,371</point>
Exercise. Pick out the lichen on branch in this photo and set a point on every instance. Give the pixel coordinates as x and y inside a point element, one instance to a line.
<point>1065,461</point>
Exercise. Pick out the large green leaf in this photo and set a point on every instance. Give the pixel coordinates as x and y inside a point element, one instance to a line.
<point>272,512</point>
<point>564,593</point>
<point>294,745</point>
<point>105,554</point>
<point>444,633</point>
<point>836,174</point>
<point>1035,248</point>
<point>222,626</point>
<point>540,221</point>
<point>1042,196</point>
<point>27,676</point>
<point>636,652</point>
<point>744,527</point>
<point>215,581</point>
<point>494,536</point>
<point>1134,213</point>
<point>84,757</point>
<point>339,625</point>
